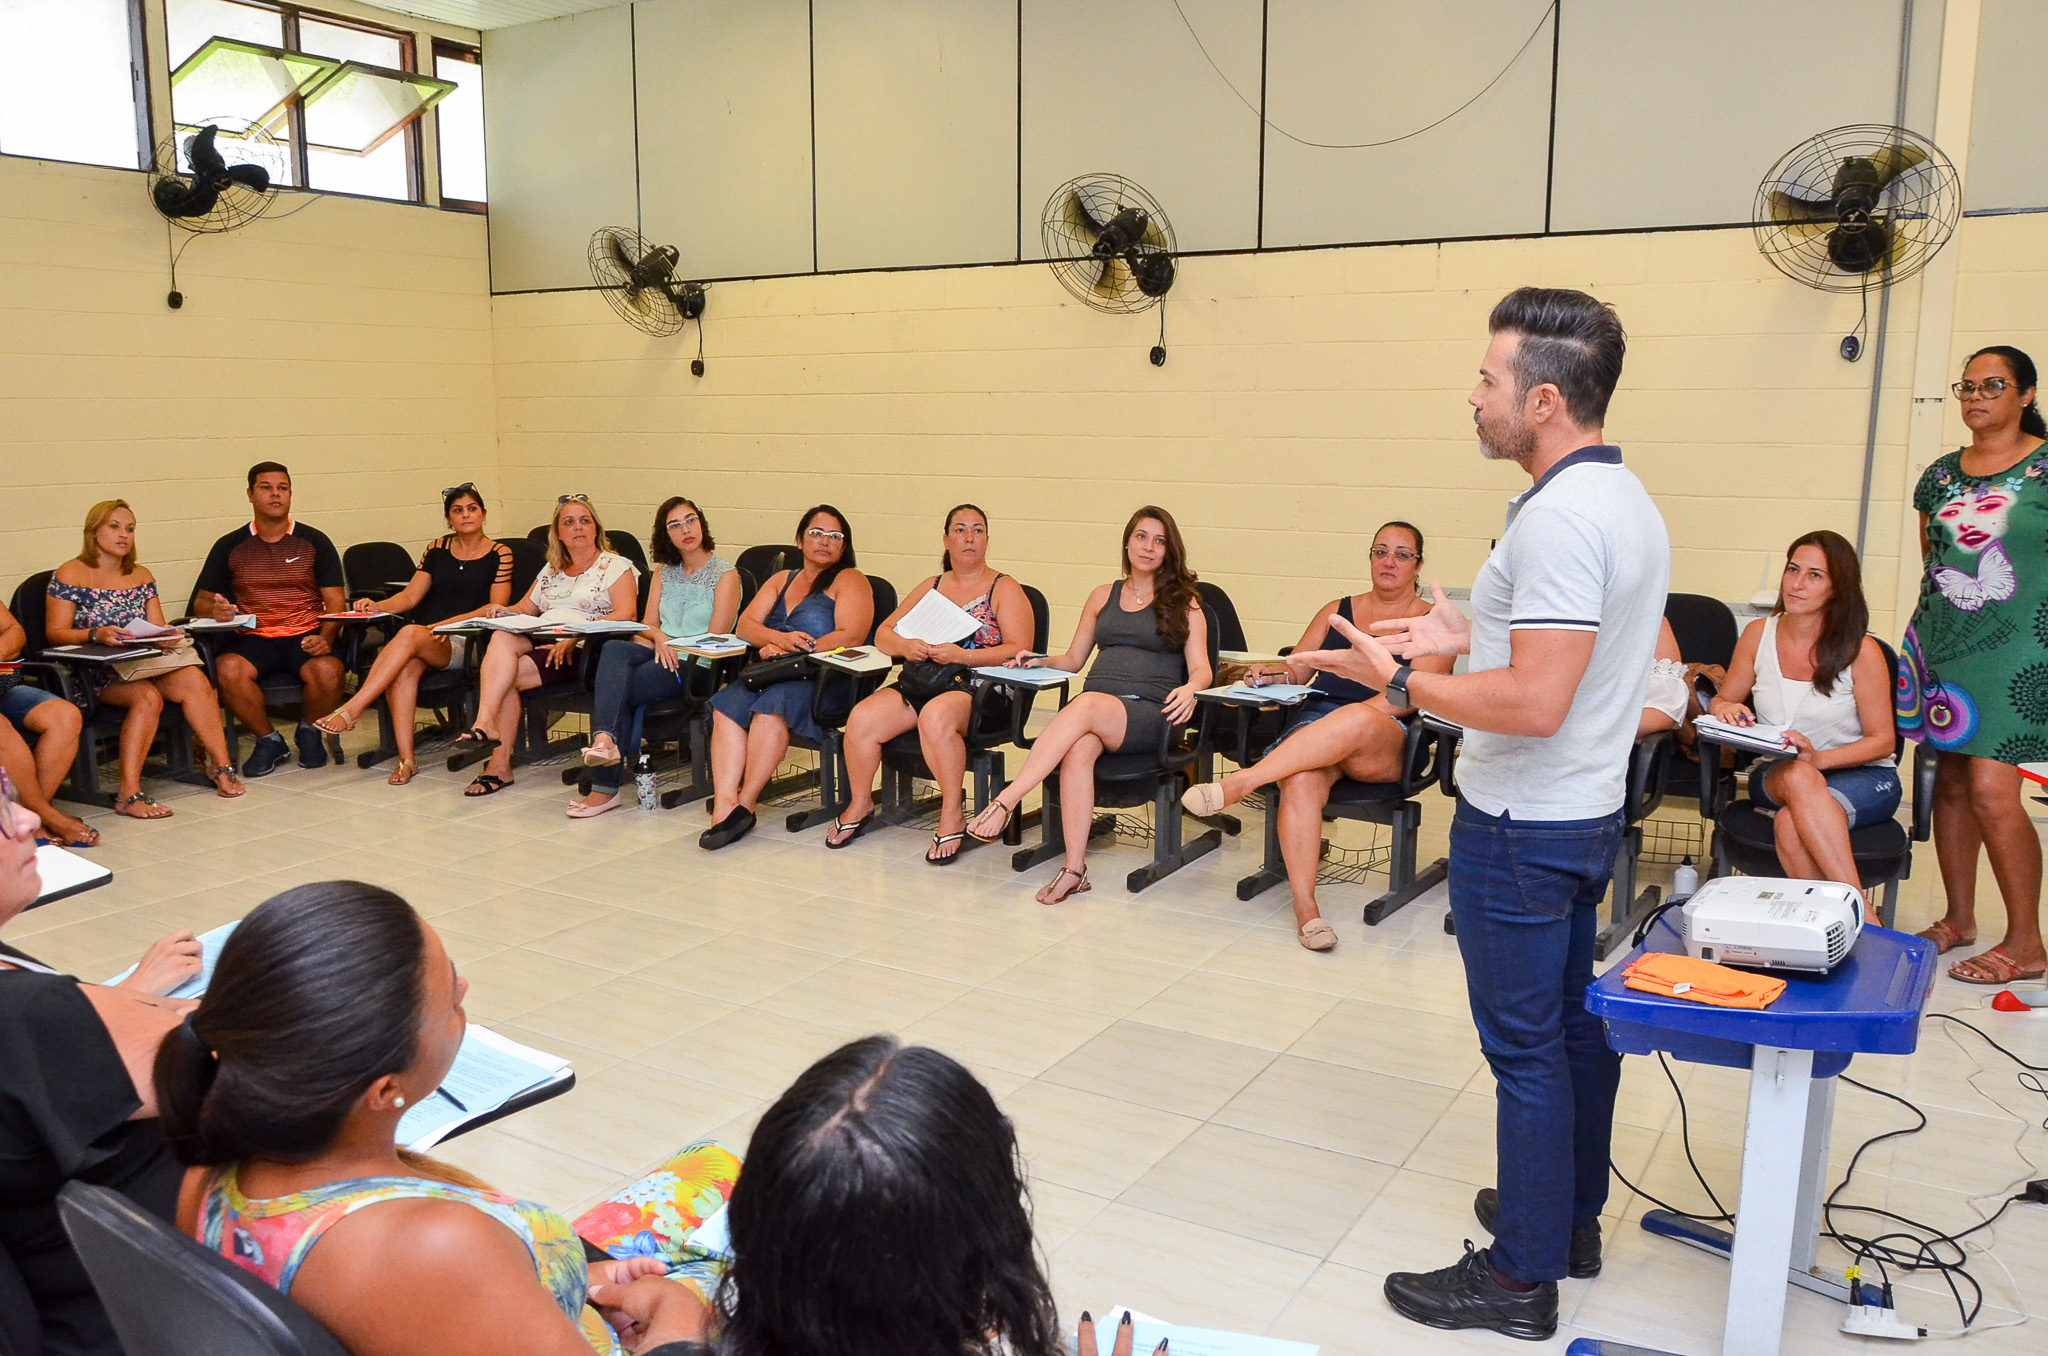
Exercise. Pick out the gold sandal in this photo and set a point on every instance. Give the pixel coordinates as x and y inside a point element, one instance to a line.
<point>1007,809</point>
<point>406,770</point>
<point>1080,889</point>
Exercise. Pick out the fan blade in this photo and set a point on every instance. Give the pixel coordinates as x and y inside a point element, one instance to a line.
<point>207,164</point>
<point>1079,219</point>
<point>617,249</point>
<point>1153,270</point>
<point>1859,246</point>
<point>1107,283</point>
<point>1787,210</point>
<point>1895,160</point>
<point>253,177</point>
<point>177,198</point>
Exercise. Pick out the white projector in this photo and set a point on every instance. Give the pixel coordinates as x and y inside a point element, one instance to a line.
<point>1773,924</point>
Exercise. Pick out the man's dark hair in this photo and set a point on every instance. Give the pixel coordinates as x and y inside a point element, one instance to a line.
<point>1569,339</point>
<point>264,467</point>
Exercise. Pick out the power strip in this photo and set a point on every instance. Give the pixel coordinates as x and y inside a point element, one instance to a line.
<point>1868,1320</point>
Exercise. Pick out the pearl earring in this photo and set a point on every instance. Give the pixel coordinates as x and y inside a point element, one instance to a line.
<point>400,1101</point>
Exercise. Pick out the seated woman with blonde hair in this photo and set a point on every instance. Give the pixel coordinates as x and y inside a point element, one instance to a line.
<point>582,581</point>
<point>93,599</point>
<point>461,575</point>
<point>1345,730</point>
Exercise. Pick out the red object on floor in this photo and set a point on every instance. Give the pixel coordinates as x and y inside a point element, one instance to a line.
<point>2008,1001</point>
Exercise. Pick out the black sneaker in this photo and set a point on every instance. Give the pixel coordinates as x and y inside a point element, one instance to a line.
<point>730,829</point>
<point>1465,1295</point>
<point>1582,1264</point>
<point>267,757</point>
<point>312,745</point>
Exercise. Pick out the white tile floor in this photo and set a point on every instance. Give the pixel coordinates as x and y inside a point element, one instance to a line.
<point>1221,1128</point>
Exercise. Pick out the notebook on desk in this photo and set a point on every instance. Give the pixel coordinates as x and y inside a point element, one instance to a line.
<point>1024,677</point>
<point>243,621</point>
<point>210,944</point>
<point>1757,738</point>
<point>65,873</point>
<point>1270,694</point>
<point>101,654</point>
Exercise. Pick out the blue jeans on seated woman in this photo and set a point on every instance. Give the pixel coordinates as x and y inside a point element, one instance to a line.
<point>629,679</point>
<point>1868,794</point>
<point>1526,896</point>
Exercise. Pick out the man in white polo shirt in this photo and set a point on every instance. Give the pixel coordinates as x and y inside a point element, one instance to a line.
<point>1564,625</point>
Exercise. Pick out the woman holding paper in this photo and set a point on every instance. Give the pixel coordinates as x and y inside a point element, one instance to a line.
<point>980,617</point>
<point>1810,668</point>
<point>1341,729</point>
<point>333,1008</point>
<point>460,576</point>
<point>694,591</point>
<point>1153,635</point>
<point>104,596</point>
<point>581,582</point>
<point>822,605</point>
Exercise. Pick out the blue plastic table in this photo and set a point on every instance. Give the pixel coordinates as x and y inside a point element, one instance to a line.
<point>1870,1004</point>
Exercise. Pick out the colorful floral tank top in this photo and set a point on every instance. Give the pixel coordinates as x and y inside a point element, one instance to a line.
<point>983,610</point>
<point>271,1237</point>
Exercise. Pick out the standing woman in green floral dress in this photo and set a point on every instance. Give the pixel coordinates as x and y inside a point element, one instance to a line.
<point>1975,664</point>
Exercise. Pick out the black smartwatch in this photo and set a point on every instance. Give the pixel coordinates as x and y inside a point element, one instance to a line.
<point>1397,686</point>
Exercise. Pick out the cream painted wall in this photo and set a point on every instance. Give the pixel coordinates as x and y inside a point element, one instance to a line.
<point>350,340</point>
<point>1309,396</point>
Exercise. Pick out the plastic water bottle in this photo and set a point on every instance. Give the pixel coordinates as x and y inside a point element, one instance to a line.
<point>643,780</point>
<point>1685,880</point>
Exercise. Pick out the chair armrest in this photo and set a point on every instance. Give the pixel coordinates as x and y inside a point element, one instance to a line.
<point>1646,763</point>
<point>1925,760</point>
<point>1717,786</point>
<point>1421,749</point>
<point>862,685</point>
<point>58,677</point>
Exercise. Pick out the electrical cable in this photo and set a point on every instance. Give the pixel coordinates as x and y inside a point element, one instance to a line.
<point>1520,52</point>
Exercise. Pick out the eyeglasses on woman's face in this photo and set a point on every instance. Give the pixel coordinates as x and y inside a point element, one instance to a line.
<point>823,535</point>
<point>8,814</point>
<point>1393,553</point>
<point>1991,388</point>
<point>684,523</point>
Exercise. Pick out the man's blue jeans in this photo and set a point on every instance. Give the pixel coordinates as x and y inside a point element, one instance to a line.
<point>1525,896</point>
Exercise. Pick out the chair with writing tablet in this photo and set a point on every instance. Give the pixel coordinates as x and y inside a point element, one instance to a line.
<point>1744,843</point>
<point>168,1296</point>
<point>833,695</point>
<point>1129,778</point>
<point>988,731</point>
<point>71,679</point>
<point>763,562</point>
<point>282,692</point>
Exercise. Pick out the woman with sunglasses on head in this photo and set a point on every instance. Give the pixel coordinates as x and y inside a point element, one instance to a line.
<point>821,605</point>
<point>581,582</point>
<point>92,599</point>
<point>1344,729</point>
<point>1976,655</point>
<point>1154,639</point>
<point>694,591</point>
<point>911,703</point>
<point>460,576</point>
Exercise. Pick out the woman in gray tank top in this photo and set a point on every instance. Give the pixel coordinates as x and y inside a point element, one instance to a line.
<point>1154,657</point>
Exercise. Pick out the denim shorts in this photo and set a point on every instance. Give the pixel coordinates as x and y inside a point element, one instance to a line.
<point>1870,794</point>
<point>17,701</point>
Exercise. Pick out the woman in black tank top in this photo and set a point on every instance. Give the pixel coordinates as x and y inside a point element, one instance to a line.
<point>1155,657</point>
<point>1343,729</point>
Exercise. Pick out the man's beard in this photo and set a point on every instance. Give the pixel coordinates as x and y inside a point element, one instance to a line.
<point>1509,439</point>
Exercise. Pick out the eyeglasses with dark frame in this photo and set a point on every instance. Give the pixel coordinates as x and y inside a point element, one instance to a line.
<point>1991,388</point>
<point>466,487</point>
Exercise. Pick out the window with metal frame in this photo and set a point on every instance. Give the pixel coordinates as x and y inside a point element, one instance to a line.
<point>460,119</point>
<point>71,81</point>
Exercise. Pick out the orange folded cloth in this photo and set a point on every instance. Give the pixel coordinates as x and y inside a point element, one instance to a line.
<point>1701,981</point>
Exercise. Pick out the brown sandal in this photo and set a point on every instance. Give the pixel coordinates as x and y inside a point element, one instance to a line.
<point>1082,887</point>
<point>335,723</point>
<point>227,783</point>
<point>1998,965</point>
<point>998,803</point>
<point>126,806</point>
<point>1945,936</point>
<point>406,770</point>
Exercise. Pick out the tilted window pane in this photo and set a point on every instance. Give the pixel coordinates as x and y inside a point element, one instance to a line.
<point>192,22</point>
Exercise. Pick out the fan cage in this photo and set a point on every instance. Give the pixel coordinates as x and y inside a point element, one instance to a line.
<point>1070,253</point>
<point>651,310</point>
<point>1921,206</point>
<point>239,141</point>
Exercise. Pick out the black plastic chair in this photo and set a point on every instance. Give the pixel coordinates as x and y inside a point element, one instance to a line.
<point>282,692</point>
<point>1129,778</point>
<point>1391,804</point>
<point>761,562</point>
<point>833,695</point>
<point>168,1296</point>
<point>377,569</point>
<point>1743,841</point>
<point>70,679</point>
<point>988,730</point>
<point>1227,630</point>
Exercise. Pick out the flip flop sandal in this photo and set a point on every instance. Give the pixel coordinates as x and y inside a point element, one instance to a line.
<point>852,831</point>
<point>126,804</point>
<point>583,809</point>
<point>324,727</point>
<point>90,838</point>
<point>224,778</point>
<point>1945,937</point>
<point>486,785</point>
<point>1317,935</point>
<point>475,738</point>
<point>2004,969</point>
<point>939,840</point>
<point>1081,889</point>
<point>406,770</point>
<point>1008,811</point>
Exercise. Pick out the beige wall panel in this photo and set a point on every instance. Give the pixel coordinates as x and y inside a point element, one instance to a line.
<point>725,133</point>
<point>2008,165</point>
<point>1123,89</point>
<point>1669,113</point>
<point>559,144</point>
<point>1372,70</point>
<point>917,132</point>
<point>351,341</point>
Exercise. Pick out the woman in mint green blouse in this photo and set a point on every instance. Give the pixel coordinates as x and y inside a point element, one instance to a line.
<point>694,591</point>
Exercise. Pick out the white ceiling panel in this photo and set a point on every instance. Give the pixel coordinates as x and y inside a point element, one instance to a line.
<point>495,13</point>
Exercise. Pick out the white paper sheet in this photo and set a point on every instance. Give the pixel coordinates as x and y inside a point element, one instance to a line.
<point>1147,1332</point>
<point>1027,677</point>
<point>489,1071</point>
<point>937,620</point>
<point>210,944</point>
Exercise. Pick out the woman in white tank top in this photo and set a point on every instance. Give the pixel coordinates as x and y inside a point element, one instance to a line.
<point>1811,668</point>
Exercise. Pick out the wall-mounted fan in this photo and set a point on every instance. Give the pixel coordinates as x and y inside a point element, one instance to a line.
<point>219,176</point>
<point>640,282</point>
<point>1854,206</point>
<point>1110,244</point>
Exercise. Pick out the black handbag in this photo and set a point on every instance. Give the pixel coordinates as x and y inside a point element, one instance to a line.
<point>923,680</point>
<point>767,673</point>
